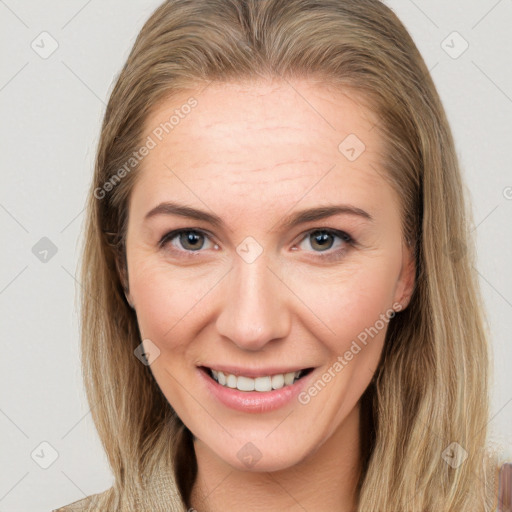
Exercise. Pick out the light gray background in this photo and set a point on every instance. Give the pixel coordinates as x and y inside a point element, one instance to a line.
<point>51,109</point>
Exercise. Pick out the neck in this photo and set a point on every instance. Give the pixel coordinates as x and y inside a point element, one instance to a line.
<point>326,480</point>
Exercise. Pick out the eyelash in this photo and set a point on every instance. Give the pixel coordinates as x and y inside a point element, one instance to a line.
<point>323,255</point>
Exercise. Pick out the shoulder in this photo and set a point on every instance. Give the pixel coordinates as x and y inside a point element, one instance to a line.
<point>90,503</point>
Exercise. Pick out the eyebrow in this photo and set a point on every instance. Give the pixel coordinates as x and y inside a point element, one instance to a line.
<point>289,222</point>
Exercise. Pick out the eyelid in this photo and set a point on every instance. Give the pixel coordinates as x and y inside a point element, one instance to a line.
<point>340,233</point>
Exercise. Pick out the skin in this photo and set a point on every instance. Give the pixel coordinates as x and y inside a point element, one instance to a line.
<point>252,154</point>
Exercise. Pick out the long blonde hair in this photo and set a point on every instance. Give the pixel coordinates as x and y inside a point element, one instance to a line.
<point>431,387</point>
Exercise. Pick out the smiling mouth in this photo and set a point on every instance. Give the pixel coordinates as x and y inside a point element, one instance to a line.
<point>263,384</point>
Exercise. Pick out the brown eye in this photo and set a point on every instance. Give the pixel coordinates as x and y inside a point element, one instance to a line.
<point>184,240</point>
<point>191,240</point>
<point>322,240</point>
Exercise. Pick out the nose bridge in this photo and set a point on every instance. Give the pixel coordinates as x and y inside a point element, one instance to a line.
<point>254,308</point>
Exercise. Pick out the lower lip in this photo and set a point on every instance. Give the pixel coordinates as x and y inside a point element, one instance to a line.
<point>254,401</point>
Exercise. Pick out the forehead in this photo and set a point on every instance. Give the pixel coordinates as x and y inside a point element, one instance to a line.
<point>264,141</point>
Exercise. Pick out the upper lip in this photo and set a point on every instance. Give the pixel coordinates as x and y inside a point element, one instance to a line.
<point>254,372</point>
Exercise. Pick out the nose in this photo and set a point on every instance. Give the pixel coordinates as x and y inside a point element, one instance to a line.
<point>255,306</point>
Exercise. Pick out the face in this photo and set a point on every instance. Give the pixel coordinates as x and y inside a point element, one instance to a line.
<point>252,287</point>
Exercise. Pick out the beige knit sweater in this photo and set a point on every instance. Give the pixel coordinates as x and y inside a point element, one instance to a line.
<point>161,496</point>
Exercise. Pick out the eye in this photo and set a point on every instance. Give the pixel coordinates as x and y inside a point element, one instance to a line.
<point>322,239</point>
<point>189,240</point>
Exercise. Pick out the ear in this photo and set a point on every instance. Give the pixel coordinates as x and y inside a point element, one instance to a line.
<point>407,279</point>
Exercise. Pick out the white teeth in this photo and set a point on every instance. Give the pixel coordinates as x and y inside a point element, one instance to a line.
<point>231,381</point>
<point>277,381</point>
<point>289,378</point>
<point>263,384</point>
<point>245,383</point>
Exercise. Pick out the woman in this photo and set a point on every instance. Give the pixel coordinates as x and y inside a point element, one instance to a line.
<point>229,362</point>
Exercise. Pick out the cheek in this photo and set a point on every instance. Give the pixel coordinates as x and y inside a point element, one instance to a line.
<point>167,299</point>
<point>352,299</point>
